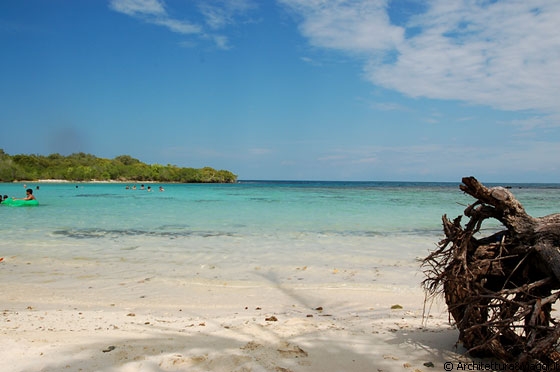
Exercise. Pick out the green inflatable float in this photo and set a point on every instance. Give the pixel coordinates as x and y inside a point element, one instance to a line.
<point>20,203</point>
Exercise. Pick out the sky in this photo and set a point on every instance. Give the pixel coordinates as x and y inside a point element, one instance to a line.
<point>372,90</point>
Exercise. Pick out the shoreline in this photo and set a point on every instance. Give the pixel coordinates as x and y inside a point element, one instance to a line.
<point>255,282</point>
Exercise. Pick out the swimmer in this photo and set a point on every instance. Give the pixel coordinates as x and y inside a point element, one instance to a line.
<point>30,196</point>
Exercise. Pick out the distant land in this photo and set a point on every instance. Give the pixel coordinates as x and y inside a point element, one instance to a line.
<point>81,167</point>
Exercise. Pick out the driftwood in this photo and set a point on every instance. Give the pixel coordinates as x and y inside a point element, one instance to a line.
<point>500,289</point>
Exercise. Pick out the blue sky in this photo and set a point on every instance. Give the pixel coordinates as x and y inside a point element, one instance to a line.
<point>289,89</point>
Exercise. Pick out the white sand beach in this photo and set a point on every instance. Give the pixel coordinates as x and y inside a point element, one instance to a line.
<point>153,323</point>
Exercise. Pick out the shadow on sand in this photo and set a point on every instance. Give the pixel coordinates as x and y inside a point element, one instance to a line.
<point>304,343</point>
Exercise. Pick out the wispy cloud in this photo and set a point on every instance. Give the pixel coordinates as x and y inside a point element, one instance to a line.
<point>153,11</point>
<point>460,160</point>
<point>139,8</point>
<point>217,14</point>
<point>503,54</point>
<point>259,151</point>
<point>221,41</point>
<point>388,106</point>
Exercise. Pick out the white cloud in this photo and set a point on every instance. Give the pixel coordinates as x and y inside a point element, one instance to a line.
<point>221,41</point>
<point>217,14</point>
<point>352,26</point>
<point>221,13</point>
<point>138,7</point>
<point>388,106</point>
<point>153,11</point>
<point>177,26</point>
<point>503,54</point>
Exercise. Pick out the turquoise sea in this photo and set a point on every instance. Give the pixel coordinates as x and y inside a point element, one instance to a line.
<point>266,226</point>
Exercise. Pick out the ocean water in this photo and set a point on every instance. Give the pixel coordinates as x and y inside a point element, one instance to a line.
<point>235,232</point>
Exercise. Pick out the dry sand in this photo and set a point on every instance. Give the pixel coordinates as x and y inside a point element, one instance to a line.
<point>152,324</point>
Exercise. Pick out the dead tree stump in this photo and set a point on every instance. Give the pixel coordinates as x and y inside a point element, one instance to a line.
<point>500,289</point>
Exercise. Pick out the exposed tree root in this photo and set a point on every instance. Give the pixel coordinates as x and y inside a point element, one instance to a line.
<point>500,289</point>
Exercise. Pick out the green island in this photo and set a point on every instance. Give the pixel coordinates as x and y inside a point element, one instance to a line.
<point>81,167</point>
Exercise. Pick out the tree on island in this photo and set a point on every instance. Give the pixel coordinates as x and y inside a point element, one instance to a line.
<point>87,167</point>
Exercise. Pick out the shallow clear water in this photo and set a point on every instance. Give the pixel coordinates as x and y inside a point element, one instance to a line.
<point>354,225</point>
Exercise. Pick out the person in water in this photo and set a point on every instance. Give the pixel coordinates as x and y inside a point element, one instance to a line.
<point>29,196</point>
